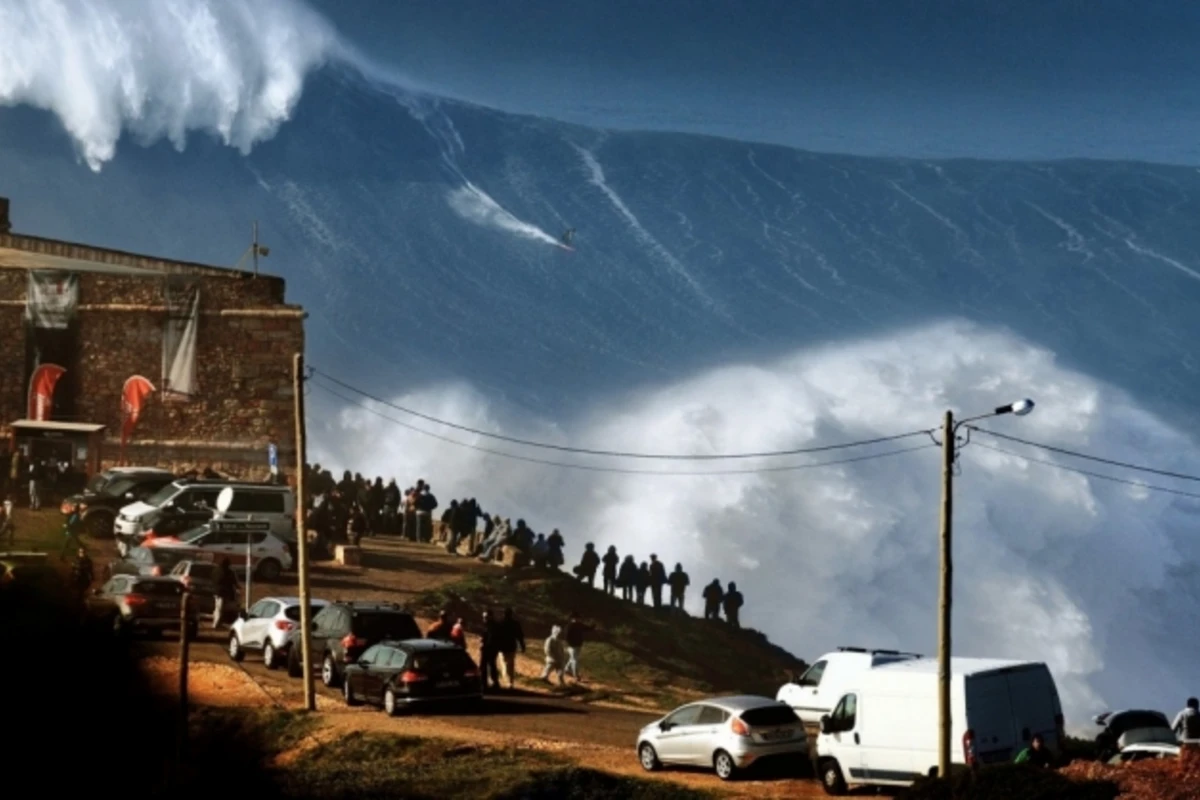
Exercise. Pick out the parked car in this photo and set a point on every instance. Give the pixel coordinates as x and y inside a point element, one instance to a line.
<point>198,578</point>
<point>131,603</point>
<point>164,522</point>
<point>264,501</point>
<point>143,561</point>
<point>342,632</point>
<point>727,734</point>
<point>265,627</point>
<point>269,555</point>
<point>400,674</point>
<point>883,731</point>
<point>110,490</point>
<point>1131,726</point>
<point>813,694</point>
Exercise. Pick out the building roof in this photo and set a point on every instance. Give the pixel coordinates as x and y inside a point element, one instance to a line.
<point>50,425</point>
<point>11,258</point>
<point>958,666</point>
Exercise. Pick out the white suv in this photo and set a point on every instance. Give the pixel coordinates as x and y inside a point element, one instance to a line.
<point>266,627</point>
<point>261,501</point>
<point>269,555</point>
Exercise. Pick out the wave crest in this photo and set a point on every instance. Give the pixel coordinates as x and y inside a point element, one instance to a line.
<point>232,68</point>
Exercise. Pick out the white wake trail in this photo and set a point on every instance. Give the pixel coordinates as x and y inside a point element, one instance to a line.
<point>161,68</point>
<point>475,205</point>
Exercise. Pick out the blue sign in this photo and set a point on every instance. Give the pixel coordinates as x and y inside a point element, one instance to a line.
<point>273,455</point>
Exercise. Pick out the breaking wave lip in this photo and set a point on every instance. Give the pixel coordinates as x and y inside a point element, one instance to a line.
<point>1050,565</point>
<point>475,205</point>
<point>232,68</point>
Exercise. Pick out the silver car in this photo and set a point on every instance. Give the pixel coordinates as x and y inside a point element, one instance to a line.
<point>725,733</point>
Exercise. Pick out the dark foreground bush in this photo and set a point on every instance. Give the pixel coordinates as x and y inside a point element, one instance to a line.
<point>1009,782</point>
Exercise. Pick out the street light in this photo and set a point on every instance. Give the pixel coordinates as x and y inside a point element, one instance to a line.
<point>950,428</point>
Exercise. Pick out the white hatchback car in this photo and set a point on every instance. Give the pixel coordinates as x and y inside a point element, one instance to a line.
<point>265,627</point>
<point>727,734</point>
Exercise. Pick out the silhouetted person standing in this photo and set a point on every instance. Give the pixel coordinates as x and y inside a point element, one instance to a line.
<point>226,596</point>
<point>588,564</point>
<point>611,559</point>
<point>82,574</point>
<point>713,595</point>
<point>679,581</point>
<point>491,641</point>
<point>658,578</point>
<point>643,583</point>
<point>512,636</point>
<point>627,578</point>
<point>733,605</point>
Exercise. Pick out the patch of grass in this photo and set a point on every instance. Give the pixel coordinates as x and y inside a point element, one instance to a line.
<point>383,765</point>
<point>640,651</point>
<point>37,530</point>
<point>266,732</point>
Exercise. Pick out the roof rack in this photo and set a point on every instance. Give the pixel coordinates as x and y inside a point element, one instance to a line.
<point>878,652</point>
<point>852,649</point>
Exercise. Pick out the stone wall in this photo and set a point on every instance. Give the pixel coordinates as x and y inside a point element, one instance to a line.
<point>245,346</point>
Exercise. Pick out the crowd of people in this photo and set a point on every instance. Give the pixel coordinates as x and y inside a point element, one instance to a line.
<point>354,507</point>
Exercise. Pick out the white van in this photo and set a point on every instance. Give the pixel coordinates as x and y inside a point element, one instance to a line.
<point>264,501</point>
<point>884,730</point>
<point>813,694</point>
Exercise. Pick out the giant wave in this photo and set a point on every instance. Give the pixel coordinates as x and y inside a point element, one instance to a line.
<point>723,295</point>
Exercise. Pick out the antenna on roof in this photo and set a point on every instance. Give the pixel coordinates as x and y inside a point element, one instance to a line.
<point>255,250</point>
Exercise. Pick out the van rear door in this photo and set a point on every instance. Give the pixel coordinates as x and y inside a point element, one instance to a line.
<point>1035,704</point>
<point>990,717</point>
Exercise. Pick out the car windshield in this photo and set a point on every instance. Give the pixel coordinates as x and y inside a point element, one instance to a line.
<point>161,556</point>
<point>378,625</point>
<point>163,495</point>
<point>160,588</point>
<point>770,715</point>
<point>141,555</point>
<point>442,659</point>
<point>293,612</point>
<point>117,487</point>
<point>202,571</point>
<point>1157,735</point>
<point>96,484</point>
<point>193,534</point>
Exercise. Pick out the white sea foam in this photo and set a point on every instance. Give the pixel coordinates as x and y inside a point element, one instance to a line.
<point>161,68</point>
<point>1087,575</point>
<point>475,205</point>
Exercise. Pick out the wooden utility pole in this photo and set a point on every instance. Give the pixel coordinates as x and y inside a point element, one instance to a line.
<point>184,627</point>
<point>310,698</point>
<point>944,715</point>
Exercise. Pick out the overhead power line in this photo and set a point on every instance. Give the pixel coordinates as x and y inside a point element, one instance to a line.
<point>620,470</point>
<point>618,453</point>
<point>1111,462</point>
<point>1088,473</point>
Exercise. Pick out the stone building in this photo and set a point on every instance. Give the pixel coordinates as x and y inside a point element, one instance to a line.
<point>212,348</point>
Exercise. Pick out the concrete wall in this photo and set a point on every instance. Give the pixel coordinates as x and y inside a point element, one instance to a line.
<point>246,342</point>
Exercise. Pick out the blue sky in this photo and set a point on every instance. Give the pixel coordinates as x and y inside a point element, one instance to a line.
<point>929,78</point>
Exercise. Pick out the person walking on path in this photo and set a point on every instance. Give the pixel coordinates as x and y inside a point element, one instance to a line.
<point>679,581</point>
<point>458,634</point>
<point>1187,722</point>
<point>733,604</point>
<point>8,526</point>
<point>588,564</point>
<point>227,588</point>
<point>490,644</point>
<point>713,595</point>
<point>658,578</point>
<point>511,636</point>
<point>35,485</point>
<point>575,630</point>
<point>555,655</point>
<point>610,560</point>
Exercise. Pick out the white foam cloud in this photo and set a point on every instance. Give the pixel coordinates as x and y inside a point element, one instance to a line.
<point>475,205</point>
<point>160,68</point>
<point>1089,576</point>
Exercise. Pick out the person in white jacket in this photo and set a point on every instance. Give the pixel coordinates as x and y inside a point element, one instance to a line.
<point>556,655</point>
<point>1187,722</point>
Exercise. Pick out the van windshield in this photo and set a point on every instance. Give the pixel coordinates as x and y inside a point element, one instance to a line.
<point>163,495</point>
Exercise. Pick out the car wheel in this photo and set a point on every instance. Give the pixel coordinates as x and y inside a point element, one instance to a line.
<point>348,693</point>
<point>390,704</point>
<point>329,675</point>
<point>294,668</point>
<point>723,764</point>
<point>831,778</point>
<point>270,657</point>
<point>235,648</point>
<point>270,570</point>
<point>648,757</point>
<point>98,526</point>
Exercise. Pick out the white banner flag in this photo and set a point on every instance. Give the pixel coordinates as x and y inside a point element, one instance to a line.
<point>51,299</point>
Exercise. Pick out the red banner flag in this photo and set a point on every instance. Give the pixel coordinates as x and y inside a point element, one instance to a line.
<point>41,391</point>
<point>133,398</point>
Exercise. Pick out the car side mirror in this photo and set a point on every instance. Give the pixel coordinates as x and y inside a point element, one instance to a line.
<point>362,662</point>
<point>243,614</point>
<point>826,724</point>
<point>664,726</point>
<point>97,592</point>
